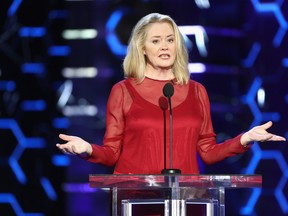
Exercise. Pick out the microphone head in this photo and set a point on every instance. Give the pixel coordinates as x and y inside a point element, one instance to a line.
<point>168,90</point>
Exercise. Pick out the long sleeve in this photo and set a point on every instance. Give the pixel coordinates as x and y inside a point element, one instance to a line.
<point>209,151</point>
<point>109,152</point>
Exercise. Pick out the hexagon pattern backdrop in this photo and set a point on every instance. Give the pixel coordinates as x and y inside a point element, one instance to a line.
<point>59,60</point>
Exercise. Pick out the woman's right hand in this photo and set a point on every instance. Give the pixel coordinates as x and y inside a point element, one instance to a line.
<point>74,145</point>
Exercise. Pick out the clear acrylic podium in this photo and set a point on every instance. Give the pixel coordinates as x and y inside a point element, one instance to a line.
<point>175,192</point>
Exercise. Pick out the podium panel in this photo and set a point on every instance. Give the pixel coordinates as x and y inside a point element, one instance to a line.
<point>172,194</point>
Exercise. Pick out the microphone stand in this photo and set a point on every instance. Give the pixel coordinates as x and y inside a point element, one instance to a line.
<point>165,151</point>
<point>168,93</point>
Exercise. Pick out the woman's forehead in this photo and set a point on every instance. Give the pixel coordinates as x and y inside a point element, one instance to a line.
<point>159,29</point>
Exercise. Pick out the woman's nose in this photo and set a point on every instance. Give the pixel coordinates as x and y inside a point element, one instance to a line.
<point>164,46</point>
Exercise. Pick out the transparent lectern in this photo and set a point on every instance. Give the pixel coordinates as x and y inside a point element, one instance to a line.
<point>174,192</point>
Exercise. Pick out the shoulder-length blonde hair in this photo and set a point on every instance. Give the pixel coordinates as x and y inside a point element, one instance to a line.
<point>134,62</point>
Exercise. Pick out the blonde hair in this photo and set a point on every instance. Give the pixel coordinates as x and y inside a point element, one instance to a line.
<point>134,62</point>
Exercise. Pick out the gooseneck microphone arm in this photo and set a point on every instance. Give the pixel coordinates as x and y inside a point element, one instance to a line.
<point>168,91</point>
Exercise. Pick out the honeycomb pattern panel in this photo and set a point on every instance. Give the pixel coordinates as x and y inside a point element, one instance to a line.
<point>32,170</point>
<point>263,60</point>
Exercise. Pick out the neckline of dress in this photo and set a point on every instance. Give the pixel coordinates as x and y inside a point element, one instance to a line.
<point>159,80</point>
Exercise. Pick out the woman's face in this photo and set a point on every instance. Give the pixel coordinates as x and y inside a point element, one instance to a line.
<point>159,46</point>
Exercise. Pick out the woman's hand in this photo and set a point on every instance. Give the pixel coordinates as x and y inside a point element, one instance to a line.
<point>74,145</point>
<point>260,134</point>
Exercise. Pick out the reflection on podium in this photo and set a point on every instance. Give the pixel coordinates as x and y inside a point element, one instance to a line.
<point>171,195</point>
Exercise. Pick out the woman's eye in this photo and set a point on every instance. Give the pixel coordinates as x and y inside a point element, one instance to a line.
<point>155,41</point>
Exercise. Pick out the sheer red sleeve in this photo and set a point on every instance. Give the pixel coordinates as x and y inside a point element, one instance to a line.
<point>108,153</point>
<point>209,151</point>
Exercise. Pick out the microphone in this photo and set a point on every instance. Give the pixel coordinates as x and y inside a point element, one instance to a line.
<point>168,91</point>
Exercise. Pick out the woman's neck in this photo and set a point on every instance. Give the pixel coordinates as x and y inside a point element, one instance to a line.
<point>160,75</point>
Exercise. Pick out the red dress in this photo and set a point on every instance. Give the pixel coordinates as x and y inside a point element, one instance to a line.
<point>134,138</point>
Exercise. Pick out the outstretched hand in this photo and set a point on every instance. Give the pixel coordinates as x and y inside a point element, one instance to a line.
<point>74,145</point>
<point>260,134</point>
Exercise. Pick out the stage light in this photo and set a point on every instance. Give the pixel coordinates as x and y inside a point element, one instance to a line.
<point>79,34</point>
<point>82,72</point>
<point>80,110</point>
<point>261,97</point>
<point>196,68</point>
<point>202,4</point>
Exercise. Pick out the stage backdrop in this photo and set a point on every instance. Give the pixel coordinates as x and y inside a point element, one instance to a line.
<point>59,60</point>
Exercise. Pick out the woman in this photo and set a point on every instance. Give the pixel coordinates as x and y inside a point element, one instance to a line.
<point>134,136</point>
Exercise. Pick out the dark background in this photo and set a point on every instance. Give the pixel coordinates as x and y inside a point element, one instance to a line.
<point>42,94</point>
